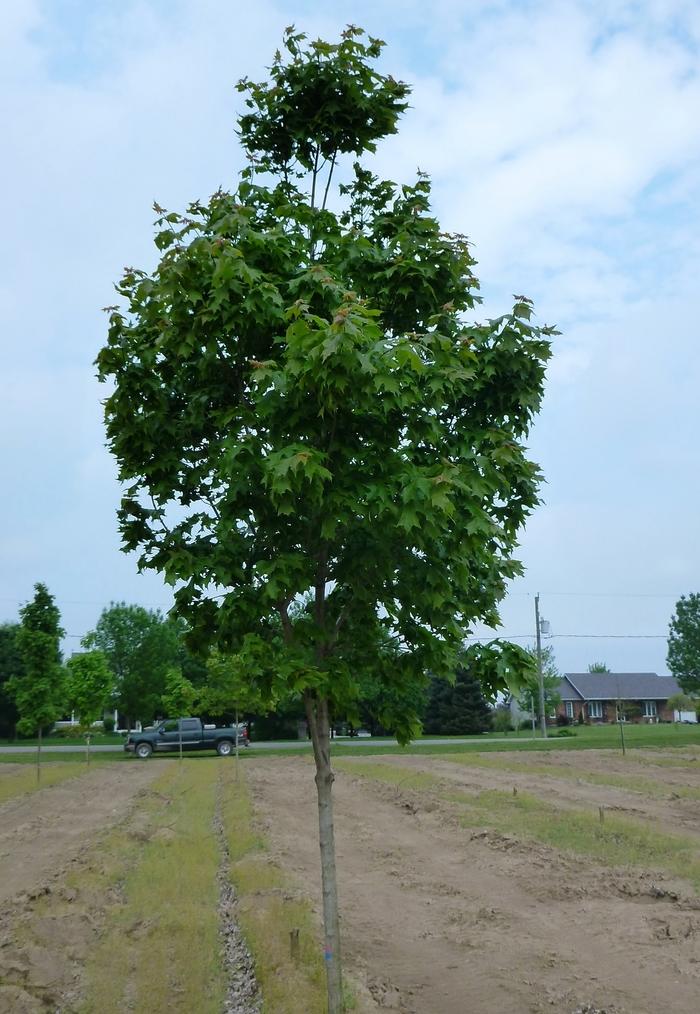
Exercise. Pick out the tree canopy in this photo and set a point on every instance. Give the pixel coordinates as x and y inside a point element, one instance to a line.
<point>140,647</point>
<point>10,666</point>
<point>457,708</point>
<point>38,687</point>
<point>684,642</point>
<point>313,413</point>
<point>89,685</point>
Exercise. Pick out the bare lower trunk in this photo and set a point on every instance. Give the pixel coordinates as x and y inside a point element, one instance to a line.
<point>317,715</point>
<point>38,757</point>
<point>87,749</point>
<point>237,776</point>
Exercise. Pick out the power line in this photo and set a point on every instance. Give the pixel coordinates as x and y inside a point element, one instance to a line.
<point>529,637</point>
<point>650,637</point>
<point>600,594</point>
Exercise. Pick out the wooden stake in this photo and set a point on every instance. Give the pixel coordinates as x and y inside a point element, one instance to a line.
<point>294,945</point>
<point>601,813</point>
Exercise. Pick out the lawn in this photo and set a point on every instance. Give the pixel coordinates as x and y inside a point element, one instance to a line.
<point>584,737</point>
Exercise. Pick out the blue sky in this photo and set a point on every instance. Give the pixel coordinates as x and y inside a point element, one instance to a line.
<point>561,137</point>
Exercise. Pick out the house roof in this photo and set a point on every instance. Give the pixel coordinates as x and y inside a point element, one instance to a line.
<point>616,686</point>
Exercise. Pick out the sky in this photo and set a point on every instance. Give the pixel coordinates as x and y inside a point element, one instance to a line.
<point>561,137</point>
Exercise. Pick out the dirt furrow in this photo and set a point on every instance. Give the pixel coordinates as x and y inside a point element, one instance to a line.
<point>41,832</point>
<point>438,920</point>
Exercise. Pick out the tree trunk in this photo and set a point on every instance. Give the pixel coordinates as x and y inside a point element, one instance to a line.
<point>237,776</point>
<point>87,749</point>
<point>317,714</point>
<point>38,758</point>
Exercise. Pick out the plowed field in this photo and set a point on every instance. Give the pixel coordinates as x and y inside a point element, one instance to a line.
<point>460,894</point>
<point>494,883</point>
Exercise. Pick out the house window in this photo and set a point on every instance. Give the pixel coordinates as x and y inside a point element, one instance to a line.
<point>595,709</point>
<point>649,709</point>
<point>569,705</point>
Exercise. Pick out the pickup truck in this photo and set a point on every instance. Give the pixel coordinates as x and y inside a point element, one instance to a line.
<point>165,737</point>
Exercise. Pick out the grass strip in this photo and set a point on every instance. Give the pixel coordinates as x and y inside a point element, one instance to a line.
<point>160,950</point>
<point>630,783</point>
<point>618,841</point>
<point>59,739</point>
<point>18,783</point>
<point>269,909</point>
<point>50,758</point>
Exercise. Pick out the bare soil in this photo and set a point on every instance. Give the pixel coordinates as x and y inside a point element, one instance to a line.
<point>442,920</point>
<point>437,919</point>
<point>42,831</point>
<point>47,928</point>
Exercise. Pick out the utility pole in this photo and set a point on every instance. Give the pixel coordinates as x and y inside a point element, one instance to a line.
<point>540,675</point>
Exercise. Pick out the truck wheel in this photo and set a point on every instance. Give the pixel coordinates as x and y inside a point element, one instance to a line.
<point>144,751</point>
<point>224,747</point>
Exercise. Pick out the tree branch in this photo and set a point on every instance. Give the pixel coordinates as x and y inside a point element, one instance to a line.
<point>328,182</point>
<point>287,629</point>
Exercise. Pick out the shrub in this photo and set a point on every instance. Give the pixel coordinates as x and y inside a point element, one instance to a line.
<point>565,732</point>
<point>108,724</point>
<point>563,720</point>
<point>502,720</point>
<point>67,731</point>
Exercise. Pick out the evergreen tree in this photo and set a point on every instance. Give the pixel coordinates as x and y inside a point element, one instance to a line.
<point>457,709</point>
<point>38,690</point>
<point>684,643</point>
<point>10,665</point>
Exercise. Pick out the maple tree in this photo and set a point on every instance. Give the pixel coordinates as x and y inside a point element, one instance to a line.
<point>319,452</point>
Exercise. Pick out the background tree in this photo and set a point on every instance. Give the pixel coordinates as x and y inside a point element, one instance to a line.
<point>598,667</point>
<point>10,666</point>
<point>284,722</point>
<point>315,416</point>
<point>501,719</point>
<point>457,708</point>
<point>528,697</point>
<point>38,690</point>
<point>379,698</point>
<point>178,698</point>
<point>89,686</point>
<point>684,643</point>
<point>140,647</point>
<point>683,702</point>
<point>232,688</point>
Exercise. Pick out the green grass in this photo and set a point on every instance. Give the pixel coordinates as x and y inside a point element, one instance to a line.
<point>160,947</point>
<point>269,909</point>
<point>98,739</point>
<point>630,783</point>
<point>72,757</point>
<point>585,738</point>
<point>617,841</point>
<point>21,782</point>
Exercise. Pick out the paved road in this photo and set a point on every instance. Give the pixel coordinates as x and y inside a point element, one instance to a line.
<point>272,745</point>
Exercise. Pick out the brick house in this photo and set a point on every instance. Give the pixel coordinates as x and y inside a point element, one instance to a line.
<point>600,696</point>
